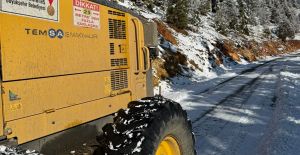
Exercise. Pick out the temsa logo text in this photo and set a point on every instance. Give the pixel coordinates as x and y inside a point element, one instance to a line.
<point>52,33</point>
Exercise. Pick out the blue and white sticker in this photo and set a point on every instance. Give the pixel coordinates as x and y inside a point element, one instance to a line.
<point>52,33</point>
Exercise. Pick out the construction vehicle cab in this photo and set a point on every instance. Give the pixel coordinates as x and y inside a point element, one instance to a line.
<point>66,65</point>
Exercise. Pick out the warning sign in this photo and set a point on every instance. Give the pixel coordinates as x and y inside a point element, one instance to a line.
<point>44,9</point>
<point>86,14</point>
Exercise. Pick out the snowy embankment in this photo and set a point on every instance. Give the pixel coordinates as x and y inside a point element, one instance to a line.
<point>181,87</point>
<point>204,59</point>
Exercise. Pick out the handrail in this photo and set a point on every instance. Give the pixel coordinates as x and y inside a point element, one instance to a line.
<point>136,26</point>
<point>146,68</point>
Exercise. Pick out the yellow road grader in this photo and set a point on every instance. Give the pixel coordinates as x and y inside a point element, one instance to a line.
<point>76,76</point>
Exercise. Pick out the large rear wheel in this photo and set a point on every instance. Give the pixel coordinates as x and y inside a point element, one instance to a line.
<point>169,146</point>
<point>151,126</point>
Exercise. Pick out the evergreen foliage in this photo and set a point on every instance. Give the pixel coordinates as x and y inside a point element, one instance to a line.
<point>285,30</point>
<point>204,7</point>
<point>240,14</point>
<point>244,14</point>
<point>234,15</point>
<point>177,13</point>
<point>227,16</point>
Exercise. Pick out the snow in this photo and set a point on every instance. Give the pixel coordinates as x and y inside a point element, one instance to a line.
<point>293,120</point>
<point>254,112</point>
<point>196,45</point>
<point>297,36</point>
<point>4,150</point>
<point>203,83</point>
<point>290,75</point>
<point>142,11</point>
<point>245,108</point>
<point>138,147</point>
<point>285,138</point>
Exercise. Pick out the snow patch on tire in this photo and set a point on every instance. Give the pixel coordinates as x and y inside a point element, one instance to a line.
<point>4,150</point>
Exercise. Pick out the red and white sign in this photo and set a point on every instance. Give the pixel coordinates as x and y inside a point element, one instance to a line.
<point>86,14</point>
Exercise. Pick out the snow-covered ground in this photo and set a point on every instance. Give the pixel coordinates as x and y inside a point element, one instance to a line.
<point>285,135</point>
<point>246,108</point>
<point>204,82</point>
<point>253,109</point>
<point>297,36</point>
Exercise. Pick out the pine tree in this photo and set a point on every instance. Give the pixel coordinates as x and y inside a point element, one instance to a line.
<point>285,30</point>
<point>149,4</point>
<point>177,13</point>
<point>276,13</point>
<point>214,6</point>
<point>227,16</point>
<point>263,12</point>
<point>251,7</point>
<point>244,13</point>
<point>238,15</point>
<point>204,6</point>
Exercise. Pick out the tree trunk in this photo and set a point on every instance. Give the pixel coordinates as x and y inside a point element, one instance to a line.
<point>214,5</point>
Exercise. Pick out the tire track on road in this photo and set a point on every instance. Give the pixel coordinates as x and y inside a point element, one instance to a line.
<point>250,70</point>
<point>213,125</point>
<point>239,92</point>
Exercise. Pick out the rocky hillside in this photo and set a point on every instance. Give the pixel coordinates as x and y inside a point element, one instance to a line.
<point>202,39</point>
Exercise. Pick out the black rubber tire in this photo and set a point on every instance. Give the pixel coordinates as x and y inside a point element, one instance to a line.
<point>141,128</point>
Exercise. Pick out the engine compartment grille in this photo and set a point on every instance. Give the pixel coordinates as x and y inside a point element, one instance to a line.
<point>119,79</point>
<point>116,13</point>
<point>119,62</point>
<point>112,48</point>
<point>117,29</point>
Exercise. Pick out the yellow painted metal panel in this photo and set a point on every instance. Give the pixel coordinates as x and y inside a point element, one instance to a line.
<point>28,51</point>
<point>138,78</point>
<point>1,103</point>
<point>39,95</point>
<point>1,114</point>
<point>35,127</point>
<point>43,92</point>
